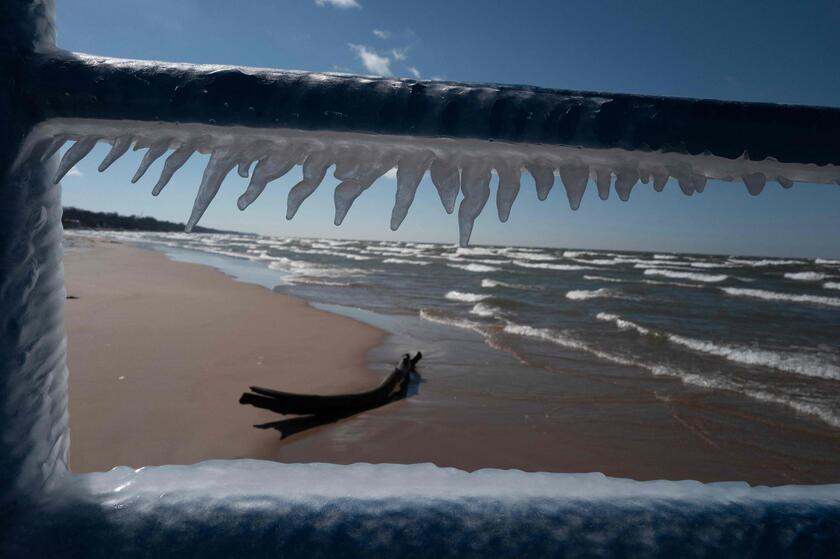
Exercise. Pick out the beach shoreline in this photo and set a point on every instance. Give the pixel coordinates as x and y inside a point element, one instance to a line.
<point>481,405</point>
<point>159,352</point>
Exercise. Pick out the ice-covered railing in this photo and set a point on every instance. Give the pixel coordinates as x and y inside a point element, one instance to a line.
<point>264,122</point>
<point>461,134</point>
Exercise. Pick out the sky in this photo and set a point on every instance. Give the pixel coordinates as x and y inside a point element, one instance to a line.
<point>770,51</point>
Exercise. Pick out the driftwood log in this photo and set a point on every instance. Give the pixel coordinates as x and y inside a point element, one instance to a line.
<point>394,387</point>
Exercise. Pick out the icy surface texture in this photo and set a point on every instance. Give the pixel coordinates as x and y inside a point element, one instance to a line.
<point>358,160</point>
<point>251,508</point>
<point>461,134</point>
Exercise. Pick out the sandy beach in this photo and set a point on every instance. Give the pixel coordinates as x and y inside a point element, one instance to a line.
<point>160,351</point>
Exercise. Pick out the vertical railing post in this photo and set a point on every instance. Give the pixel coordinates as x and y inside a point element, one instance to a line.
<point>33,372</point>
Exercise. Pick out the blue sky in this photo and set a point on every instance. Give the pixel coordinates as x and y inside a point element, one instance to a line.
<point>784,52</point>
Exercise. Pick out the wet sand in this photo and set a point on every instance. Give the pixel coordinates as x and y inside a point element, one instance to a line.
<point>188,340</point>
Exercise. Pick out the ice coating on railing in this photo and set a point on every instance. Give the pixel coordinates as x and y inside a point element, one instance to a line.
<point>468,167</point>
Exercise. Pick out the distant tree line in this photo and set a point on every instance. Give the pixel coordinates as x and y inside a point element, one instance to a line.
<point>75,218</point>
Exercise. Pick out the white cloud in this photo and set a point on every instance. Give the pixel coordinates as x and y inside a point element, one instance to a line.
<point>381,33</point>
<point>399,54</point>
<point>343,4</point>
<point>74,172</point>
<point>414,72</point>
<point>372,61</point>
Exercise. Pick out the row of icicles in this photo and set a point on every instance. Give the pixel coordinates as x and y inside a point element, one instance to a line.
<point>359,167</point>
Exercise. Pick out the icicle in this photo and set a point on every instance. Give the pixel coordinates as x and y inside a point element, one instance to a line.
<point>625,180</point>
<point>244,168</point>
<point>221,162</point>
<point>314,169</point>
<point>543,174</point>
<point>644,175</point>
<point>118,149</point>
<point>755,183</point>
<point>353,186</point>
<point>174,162</point>
<point>155,151</point>
<point>410,172</point>
<point>475,185</point>
<point>699,183</point>
<point>53,146</point>
<point>447,181</point>
<point>785,182</point>
<point>686,184</point>
<point>509,183</point>
<point>73,155</point>
<point>660,179</point>
<point>268,169</point>
<point>575,176</point>
<point>602,181</point>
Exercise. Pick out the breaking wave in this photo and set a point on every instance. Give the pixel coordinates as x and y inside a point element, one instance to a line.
<point>477,268</point>
<point>491,283</point>
<point>465,297</point>
<point>462,323</point>
<point>543,266</point>
<point>764,262</point>
<point>805,276</point>
<point>709,278</point>
<point>827,262</point>
<point>802,365</point>
<point>404,261</point>
<point>832,285</point>
<point>774,296</point>
<point>584,294</point>
<point>485,310</point>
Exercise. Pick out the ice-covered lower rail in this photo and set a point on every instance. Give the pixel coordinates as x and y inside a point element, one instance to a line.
<point>459,133</point>
<point>253,509</point>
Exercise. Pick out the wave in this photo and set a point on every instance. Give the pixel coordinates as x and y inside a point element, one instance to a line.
<point>622,323</point>
<point>543,266</point>
<point>764,262</point>
<point>475,267</point>
<point>476,251</point>
<point>485,310</point>
<point>803,365</point>
<point>583,294</point>
<point>831,285</point>
<point>465,297</point>
<point>578,253</point>
<point>602,278</point>
<point>664,257</point>
<point>709,278</point>
<point>827,262</point>
<point>530,256</point>
<point>462,323</point>
<point>491,283</point>
<point>805,276</point>
<point>774,296</point>
<point>824,413</point>
<point>404,261</point>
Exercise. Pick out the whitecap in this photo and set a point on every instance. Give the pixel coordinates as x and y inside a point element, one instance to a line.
<point>544,266</point>
<point>709,278</point>
<point>465,297</point>
<point>805,276</point>
<point>774,296</point>
<point>583,294</point>
<point>475,267</point>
